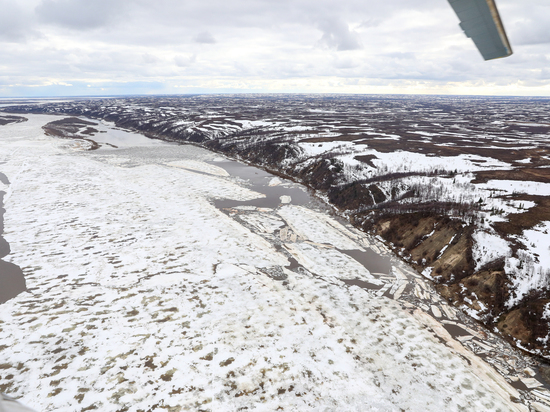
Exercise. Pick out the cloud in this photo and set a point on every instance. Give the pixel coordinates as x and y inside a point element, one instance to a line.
<point>204,37</point>
<point>402,55</point>
<point>15,22</point>
<point>526,22</point>
<point>345,63</point>
<point>148,58</point>
<point>266,42</point>
<point>79,14</point>
<point>185,61</point>
<point>337,35</point>
<point>369,22</point>
<point>532,30</point>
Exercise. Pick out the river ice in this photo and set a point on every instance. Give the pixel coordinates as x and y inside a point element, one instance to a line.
<point>143,295</point>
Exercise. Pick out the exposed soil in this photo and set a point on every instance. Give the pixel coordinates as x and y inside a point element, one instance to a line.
<point>367,159</point>
<point>518,222</point>
<point>522,174</point>
<point>72,128</point>
<point>523,323</point>
<point>427,239</point>
<point>6,119</point>
<point>487,287</point>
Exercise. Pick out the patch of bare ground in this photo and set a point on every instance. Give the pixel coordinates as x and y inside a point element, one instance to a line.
<point>355,195</point>
<point>524,322</point>
<point>367,159</point>
<point>524,174</point>
<point>7,119</point>
<point>428,239</point>
<point>69,128</point>
<point>68,125</point>
<point>518,222</point>
<point>488,287</point>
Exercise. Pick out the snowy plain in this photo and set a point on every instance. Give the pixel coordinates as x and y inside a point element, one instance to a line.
<point>143,295</point>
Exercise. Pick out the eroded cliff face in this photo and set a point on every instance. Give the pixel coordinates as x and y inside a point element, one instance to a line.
<point>441,248</point>
<point>427,206</point>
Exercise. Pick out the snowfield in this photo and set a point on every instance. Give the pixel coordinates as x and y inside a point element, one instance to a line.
<point>488,247</point>
<point>142,295</point>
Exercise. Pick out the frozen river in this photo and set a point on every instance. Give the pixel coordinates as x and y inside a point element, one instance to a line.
<point>164,276</point>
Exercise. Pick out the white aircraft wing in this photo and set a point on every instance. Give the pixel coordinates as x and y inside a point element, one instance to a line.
<point>481,22</point>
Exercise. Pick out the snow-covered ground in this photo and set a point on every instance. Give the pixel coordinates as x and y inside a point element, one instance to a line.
<point>143,295</point>
<point>488,247</point>
<point>532,267</point>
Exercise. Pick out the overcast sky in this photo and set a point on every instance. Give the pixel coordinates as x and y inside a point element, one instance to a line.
<point>112,47</point>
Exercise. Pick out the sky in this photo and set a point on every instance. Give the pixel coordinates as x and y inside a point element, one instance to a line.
<point>124,47</point>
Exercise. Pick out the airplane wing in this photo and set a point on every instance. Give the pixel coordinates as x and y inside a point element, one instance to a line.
<point>481,22</point>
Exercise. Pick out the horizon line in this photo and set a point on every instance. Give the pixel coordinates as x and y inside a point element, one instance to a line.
<point>132,95</point>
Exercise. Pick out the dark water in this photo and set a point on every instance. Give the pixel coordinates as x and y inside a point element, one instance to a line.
<point>258,180</point>
<point>4,245</point>
<point>519,385</point>
<point>12,280</point>
<point>455,331</point>
<point>362,284</point>
<point>4,179</point>
<point>374,262</point>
